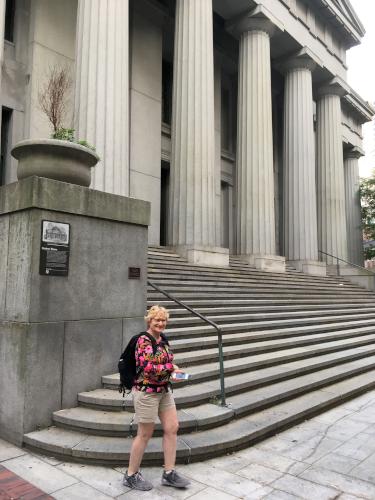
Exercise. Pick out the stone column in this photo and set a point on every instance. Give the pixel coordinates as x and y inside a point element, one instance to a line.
<point>353,206</point>
<point>300,214</point>
<point>330,174</point>
<point>102,89</point>
<point>255,179</point>
<point>192,203</point>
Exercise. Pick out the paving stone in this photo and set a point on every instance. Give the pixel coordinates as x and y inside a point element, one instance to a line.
<point>8,451</point>
<point>366,469</point>
<point>304,488</point>
<point>307,451</point>
<point>344,483</point>
<point>42,475</point>
<point>337,463</point>
<point>224,481</point>
<point>366,414</point>
<point>359,447</point>
<point>332,416</point>
<point>212,493</point>
<point>281,495</point>
<point>345,496</point>
<point>103,479</point>
<point>259,473</point>
<point>345,429</point>
<point>80,491</point>
<point>268,458</point>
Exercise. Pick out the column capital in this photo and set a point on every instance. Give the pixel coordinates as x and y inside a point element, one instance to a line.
<point>303,59</point>
<point>354,152</point>
<point>336,86</point>
<point>258,19</point>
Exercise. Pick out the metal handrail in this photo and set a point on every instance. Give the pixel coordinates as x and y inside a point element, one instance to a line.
<point>346,262</point>
<point>217,328</point>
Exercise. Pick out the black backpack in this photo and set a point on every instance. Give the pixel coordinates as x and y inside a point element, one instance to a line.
<point>127,363</point>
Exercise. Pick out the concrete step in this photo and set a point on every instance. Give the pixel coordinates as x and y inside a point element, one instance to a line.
<point>246,338</point>
<point>233,317</point>
<point>169,266</point>
<point>176,276</point>
<point>271,289</point>
<point>261,376</point>
<point>265,302</point>
<point>185,396</point>
<point>241,432</point>
<point>343,308</point>
<point>253,395</point>
<point>328,323</point>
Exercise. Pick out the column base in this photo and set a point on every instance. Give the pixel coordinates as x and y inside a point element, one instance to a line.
<point>204,256</point>
<point>270,263</point>
<point>313,267</point>
<point>358,276</point>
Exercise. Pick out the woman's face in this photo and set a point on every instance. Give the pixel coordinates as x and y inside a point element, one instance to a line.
<point>157,324</point>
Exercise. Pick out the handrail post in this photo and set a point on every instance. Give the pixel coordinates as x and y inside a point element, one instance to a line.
<point>337,266</point>
<point>221,364</point>
<point>219,336</point>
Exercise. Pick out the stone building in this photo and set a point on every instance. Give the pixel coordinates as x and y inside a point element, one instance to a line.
<point>233,117</point>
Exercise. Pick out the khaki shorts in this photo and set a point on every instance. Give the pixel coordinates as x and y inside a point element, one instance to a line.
<point>149,405</point>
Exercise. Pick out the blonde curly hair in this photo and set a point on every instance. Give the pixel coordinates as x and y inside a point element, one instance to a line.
<point>156,311</point>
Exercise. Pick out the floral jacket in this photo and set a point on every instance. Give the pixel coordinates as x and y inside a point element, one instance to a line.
<point>154,369</point>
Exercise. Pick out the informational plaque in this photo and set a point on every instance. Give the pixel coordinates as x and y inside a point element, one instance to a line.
<point>54,248</point>
<point>134,273</point>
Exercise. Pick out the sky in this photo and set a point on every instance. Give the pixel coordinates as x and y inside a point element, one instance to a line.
<point>361,77</point>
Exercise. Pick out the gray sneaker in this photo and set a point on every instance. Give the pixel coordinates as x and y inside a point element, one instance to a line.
<point>136,482</point>
<point>174,479</point>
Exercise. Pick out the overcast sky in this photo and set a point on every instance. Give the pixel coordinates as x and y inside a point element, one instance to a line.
<point>361,76</point>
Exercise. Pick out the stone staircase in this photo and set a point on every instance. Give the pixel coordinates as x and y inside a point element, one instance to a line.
<point>294,345</point>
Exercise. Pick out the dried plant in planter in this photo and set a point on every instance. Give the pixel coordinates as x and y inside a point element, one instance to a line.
<point>52,98</point>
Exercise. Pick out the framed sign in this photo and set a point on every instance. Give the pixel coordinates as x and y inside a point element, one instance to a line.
<point>54,248</point>
<point>134,273</point>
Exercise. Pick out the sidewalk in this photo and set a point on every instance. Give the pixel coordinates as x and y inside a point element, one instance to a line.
<point>328,457</point>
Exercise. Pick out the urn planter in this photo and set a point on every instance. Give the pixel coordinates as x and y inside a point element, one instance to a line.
<point>55,159</point>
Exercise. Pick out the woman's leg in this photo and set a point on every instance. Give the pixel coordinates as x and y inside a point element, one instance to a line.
<point>143,436</point>
<point>169,421</point>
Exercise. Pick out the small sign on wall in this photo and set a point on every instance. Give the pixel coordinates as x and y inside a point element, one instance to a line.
<point>134,273</point>
<point>54,248</point>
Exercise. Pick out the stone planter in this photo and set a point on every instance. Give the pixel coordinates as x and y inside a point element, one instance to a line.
<point>60,160</point>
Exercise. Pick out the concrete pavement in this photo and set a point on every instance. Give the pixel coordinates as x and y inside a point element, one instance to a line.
<point>331,456</point>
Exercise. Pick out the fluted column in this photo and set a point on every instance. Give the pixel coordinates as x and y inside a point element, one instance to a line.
<point>102,89</point>
<point>255,180</point>
<point>330,174</point>
<point>353,207</point>
<point>192,203</point>
<point>300,213</point>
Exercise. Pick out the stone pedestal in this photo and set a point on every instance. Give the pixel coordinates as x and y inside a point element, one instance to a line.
<point>361,277</point>
<point>300,217</point>
<point>255,180</point>
<point>192,200</point>
<point>102,89</point>
<point>60,334</point>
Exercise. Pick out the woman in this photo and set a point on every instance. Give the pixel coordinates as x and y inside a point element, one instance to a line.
<point>152,398</point>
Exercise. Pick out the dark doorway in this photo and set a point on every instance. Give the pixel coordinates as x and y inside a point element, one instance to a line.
<point>164,203</point>
<point>6,116</point>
